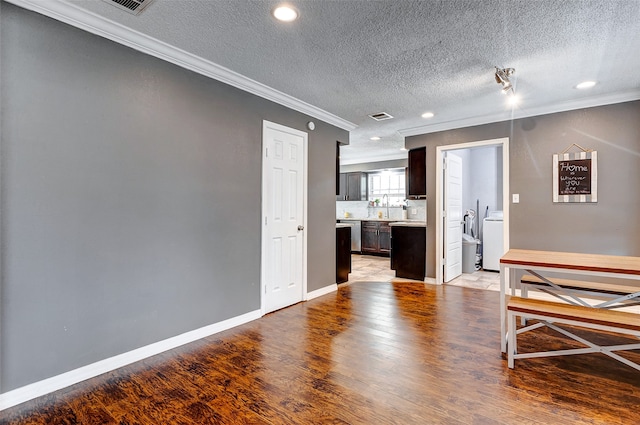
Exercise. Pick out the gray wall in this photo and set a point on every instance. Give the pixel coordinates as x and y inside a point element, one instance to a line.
<point>486,182</point>
<point>610,226</point>
<point>481,180</point>
<point>130,198</point>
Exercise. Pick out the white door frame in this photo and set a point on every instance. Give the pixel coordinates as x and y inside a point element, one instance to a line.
<point>440,150</point>
<point>264,212</point>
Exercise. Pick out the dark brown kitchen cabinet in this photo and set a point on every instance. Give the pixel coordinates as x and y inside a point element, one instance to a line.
<point>353,187</point>
<point>408,251</point>
<point>369,237</point>
<point>376,238</point>
<point>356,186</point>
<point>342,187</point>
<point>417,173</point>
<point>343,254</point>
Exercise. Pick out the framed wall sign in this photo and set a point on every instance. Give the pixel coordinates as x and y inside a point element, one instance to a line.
<point>575,176</point>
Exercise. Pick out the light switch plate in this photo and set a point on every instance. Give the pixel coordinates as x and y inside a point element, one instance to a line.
<point>414,211</point>
<point>516,198</point>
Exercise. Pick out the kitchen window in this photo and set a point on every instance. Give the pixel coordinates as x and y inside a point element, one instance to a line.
<point>390,183</point>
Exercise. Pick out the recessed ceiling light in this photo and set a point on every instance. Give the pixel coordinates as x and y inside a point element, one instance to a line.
<point>586,85</point>
<point>427,115</point>
<point>375,138</point>
<point>285,13</point>
<point>513,100</point>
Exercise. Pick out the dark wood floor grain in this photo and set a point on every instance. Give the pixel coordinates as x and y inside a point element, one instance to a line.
<point>372,353</point>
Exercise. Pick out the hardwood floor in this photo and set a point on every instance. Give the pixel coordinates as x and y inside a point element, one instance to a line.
<point>371,353</point>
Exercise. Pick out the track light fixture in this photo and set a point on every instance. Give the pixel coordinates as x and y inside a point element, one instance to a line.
<point>502,77</point>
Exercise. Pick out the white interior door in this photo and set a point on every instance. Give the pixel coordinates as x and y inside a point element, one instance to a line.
<point>452,217</point>
<point>284,198</point>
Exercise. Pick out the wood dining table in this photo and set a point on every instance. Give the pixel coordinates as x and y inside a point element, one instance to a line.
<point>541,262</point>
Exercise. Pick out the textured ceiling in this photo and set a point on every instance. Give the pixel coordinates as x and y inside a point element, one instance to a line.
<point>352,58</point>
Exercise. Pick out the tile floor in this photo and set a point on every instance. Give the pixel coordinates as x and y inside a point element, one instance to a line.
<point>378,269</point>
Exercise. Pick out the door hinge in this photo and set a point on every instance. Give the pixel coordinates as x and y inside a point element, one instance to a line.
<point>265,220</point>
<point>443,262</point>
<point>266,152</point>
<point>444,164</point>
<point>444,214</point>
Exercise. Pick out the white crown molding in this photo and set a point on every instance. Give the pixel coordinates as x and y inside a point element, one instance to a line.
<point>49,385</point>
<point>73,15</point>
<point>591,102</point>
<point>374,158</point>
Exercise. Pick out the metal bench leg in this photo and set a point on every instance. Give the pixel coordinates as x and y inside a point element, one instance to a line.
<point>544,320</point>
<point>512,347</point>
<point>524,293</point>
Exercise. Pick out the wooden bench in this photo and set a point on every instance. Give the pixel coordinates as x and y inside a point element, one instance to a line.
<point>549,313</point>
<point>617,294</point>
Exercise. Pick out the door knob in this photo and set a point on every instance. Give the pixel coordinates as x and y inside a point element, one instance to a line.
<point>300,227</point>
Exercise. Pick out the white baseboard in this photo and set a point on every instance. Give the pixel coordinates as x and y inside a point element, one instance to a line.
<point>46,386</point>
<point>430,280</point>
<point>322,291</point>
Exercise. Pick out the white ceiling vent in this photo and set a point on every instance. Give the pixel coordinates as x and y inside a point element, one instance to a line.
<point>381,116</point>
<point>132,6</point>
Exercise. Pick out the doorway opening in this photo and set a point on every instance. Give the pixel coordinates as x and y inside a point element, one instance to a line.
<point>449,223</point>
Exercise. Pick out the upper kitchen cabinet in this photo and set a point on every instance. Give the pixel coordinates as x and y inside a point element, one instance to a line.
<point>341,193</point>
<point>353,187</point>
<point>417,173</point>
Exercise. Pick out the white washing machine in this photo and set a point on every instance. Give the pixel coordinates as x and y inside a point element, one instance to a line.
<point>492,241</point>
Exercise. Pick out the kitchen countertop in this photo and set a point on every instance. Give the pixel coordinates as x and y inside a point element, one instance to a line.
<point>391,220</point>
<point>340,225</point>
<point>408,223</point>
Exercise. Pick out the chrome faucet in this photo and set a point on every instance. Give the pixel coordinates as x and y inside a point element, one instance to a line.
<point>387,196</point>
